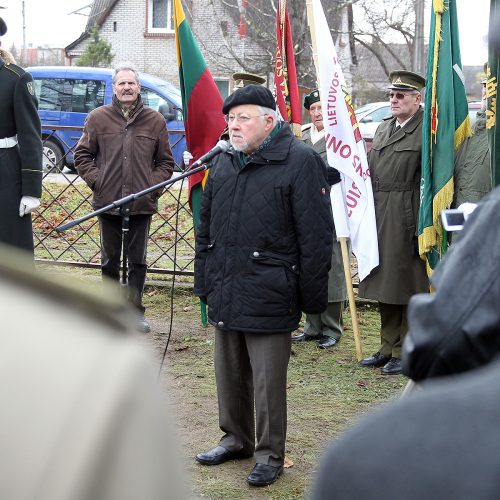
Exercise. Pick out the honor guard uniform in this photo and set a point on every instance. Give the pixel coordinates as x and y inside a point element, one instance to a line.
<point>20,154</point>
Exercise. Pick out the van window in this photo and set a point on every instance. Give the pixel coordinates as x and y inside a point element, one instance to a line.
<point>72,95</point>
<point>48,92</point>
<point>155,101</point>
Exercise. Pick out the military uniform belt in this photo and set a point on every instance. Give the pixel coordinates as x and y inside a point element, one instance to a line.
<point>395,186</point>
<point>8,142</point>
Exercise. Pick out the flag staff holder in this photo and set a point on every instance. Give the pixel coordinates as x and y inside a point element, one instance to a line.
<point>342,239</point>
<point>124,205</point>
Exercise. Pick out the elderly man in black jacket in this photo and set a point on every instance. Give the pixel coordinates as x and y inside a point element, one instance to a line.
<point>262,256</point>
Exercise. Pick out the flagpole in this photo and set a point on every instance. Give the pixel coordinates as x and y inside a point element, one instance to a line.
<point>342,239</point>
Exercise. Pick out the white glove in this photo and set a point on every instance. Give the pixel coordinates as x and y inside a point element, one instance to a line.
<point>187,157</point>
<point>28,204</point>
<point>467,208</point>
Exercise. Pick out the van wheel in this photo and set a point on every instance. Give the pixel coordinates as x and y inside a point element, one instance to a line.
<point>52,157</point>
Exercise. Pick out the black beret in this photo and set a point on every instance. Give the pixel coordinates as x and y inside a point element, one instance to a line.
<point>311,98</point>
<point>251,94</point>
<point>3,27</point>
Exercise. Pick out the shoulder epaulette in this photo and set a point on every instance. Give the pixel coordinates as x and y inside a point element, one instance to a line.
<point>17,70</point>
<point>387,118</point>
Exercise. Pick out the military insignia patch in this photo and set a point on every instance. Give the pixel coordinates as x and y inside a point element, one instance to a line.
<point>31,90</point>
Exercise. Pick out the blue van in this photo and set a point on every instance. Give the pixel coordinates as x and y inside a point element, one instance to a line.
<point>66,94</point>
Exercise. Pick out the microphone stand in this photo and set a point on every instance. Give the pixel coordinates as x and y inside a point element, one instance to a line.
<point>124,205</point>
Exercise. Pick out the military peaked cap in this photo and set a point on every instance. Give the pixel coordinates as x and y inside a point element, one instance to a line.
<point>244,79</point>
<point>3,27</point>
<point>406,80</point>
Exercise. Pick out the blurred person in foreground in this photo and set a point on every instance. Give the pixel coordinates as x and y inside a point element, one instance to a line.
<point>263,251</point>
<point>395,168</point>
<point>20,152</point>
<point>83,416</point>
<point>326,328</point>
<point>444,439</point>
<point>124,149</point>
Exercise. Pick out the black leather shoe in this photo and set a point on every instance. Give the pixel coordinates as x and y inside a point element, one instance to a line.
<point>263,475</point>
<point>393,367</point>
<point>326,342</point>
<point>374,361</point>
<point>302,337</point>
<point>143,326</point>
<point>219,455</point>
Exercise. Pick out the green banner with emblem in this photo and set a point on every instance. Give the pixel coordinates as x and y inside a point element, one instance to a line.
<point>491,90</point>
<point>446,124</point>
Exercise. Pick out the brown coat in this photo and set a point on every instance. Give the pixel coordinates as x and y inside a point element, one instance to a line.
<point>395,170</point>
<point>117,157</point>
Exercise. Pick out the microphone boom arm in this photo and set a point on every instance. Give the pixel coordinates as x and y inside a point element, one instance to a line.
<point>130,198</point>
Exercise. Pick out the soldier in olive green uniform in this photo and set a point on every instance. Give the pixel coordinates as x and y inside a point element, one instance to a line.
<point>395,170</point>
<point>326,327</point>
<point>20,154</point>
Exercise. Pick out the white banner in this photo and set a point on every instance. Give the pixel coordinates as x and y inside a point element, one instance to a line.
<point>346,152</point>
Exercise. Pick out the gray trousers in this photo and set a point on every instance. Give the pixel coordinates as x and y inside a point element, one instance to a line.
<point>250,371</point>
<point>327,323</point>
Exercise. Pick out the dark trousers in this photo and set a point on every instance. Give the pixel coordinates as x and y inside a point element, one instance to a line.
<point>251,368</point>
<point>111,250</point>
<point>393,328</point>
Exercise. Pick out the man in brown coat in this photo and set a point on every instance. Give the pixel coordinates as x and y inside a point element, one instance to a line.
<point>124,149</point>
<point>395,170</point>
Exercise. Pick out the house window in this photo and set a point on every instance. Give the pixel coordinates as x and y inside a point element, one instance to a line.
<point>160,16</point>
<point>223,86</point>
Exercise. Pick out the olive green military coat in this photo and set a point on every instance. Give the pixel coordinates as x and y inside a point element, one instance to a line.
<point>337,289</point>
<point>395,170</point>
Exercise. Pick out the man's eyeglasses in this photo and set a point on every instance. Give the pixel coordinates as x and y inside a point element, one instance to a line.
<point>399,95</point>
<point>241,118</point>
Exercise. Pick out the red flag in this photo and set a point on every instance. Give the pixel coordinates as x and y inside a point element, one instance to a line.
<point>285,75</point>
<point>242,29</point>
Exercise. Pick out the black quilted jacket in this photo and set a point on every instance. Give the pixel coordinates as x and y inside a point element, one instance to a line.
<point>264,243</point>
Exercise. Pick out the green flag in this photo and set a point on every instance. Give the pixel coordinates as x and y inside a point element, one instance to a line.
<point>491,89</point>
<point>446,124</point>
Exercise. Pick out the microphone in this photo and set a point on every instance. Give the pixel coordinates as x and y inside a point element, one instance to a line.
<point>220,147</point>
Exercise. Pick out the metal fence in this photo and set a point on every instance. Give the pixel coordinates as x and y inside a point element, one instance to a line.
<point>66,197</point>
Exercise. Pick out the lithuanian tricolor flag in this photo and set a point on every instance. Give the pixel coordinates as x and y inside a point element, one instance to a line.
<point>446,124</point>
<point>201,103</point>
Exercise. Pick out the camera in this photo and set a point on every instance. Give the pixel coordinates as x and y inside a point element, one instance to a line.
<point>454,218</point>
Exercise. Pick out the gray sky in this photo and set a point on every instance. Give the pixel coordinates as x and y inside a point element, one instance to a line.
<point>48,23</point>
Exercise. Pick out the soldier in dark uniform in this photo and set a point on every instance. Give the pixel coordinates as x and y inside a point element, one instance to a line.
<point>395,170</point>
<point>20,154</point>
<point>326,327</point>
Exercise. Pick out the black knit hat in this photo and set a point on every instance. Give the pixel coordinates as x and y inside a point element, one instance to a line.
<point>251,94</point>
<point>3,27</point>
